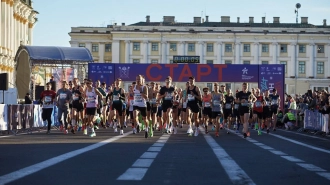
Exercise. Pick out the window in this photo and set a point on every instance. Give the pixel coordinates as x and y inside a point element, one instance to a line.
<point>171,61</point>
<point>209,47</point>
<point>209,61</point>
<point>285,65</point>
<point>246,48</point>
<point>153,61</point>
<point>95,47</point>
<point>320,48</point>
<point>154,46</point>
<point>246,62</point>
<point>301,68</point>
<point>284,48</point>
<point>302,48</point>
<point>136,61</point>
<point>107,47</point>
<point>228,48</point>
<point>172,46</point>
<point>82,45</point>
<point>265,48</point>
<point>228,85</point>
<point>264,62</point>
<point>320,68</point>
<point>227,61</point>
<point>191,47</point>
<point>136,46</point>
<point>209,85</point>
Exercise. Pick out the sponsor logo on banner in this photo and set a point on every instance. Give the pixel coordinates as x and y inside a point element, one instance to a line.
<point>123,72</point>
<point>245,75</point>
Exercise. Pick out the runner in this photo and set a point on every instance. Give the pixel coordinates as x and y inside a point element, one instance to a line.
<point>217,104</point>
<point>101,102</point>
<point>152,108</point>
<point>140,105</point>
<point>175,108</point>
<point>266,111</point>
<point>63,98</point>
<point>275,106</point>
<point>118,96</point>
<point>258,110</point>
<point>194,96</point>
<point>228,109</point>
<point>207,108</point>
<point>77,105</point>
<point>184,100</point>
<point>91,95</point>
<point>245,100</point>
<point>166,93</point>
<point>236,115</point>
<point>47,98</point>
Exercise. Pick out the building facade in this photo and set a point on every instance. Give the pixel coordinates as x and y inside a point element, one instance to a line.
<point>17,21</point>
<point>303,48</point>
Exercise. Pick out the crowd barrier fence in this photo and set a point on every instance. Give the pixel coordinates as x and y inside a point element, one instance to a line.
<point>314,120</point>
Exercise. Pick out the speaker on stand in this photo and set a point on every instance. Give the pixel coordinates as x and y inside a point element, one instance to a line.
<point>3,85</point>
<point>38,91</point>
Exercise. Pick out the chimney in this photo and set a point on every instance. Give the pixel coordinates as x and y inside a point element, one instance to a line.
<point>225,18</point>
<point>324,22</point>
<point>148,18</point>
<point>276,20</point>
<point>304,20</point>
<point>169,19</point>
<point>115,24</point>
<point>197,20</point>
<point>251,19</point>
<point>123,24</point>
<point>237,19</point>
<point>263,19</point>
<point>207,18</point>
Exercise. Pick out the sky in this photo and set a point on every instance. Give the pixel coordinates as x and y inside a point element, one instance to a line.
<point>56,17</point>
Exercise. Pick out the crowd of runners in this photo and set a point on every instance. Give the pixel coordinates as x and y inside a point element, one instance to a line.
<point>148,107</point>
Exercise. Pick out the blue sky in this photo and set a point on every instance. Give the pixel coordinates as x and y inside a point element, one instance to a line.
<point>58,16</point>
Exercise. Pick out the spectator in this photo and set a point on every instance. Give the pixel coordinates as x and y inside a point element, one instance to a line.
<point>51,79</point>
<point>325,110</point>
<point>313,102</point>
<point>28,99</point>
<point>293,104</point>
<point>289,119</point>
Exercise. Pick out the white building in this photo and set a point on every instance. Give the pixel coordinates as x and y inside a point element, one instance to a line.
<point>303,48</point>
<point>17,21</point>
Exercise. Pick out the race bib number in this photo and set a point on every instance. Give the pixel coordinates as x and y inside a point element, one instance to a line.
<point>48,99</point>
<point>236,106</point>
<point>115,98</point>
<point>184,105</point>
<point>74,97</point>
<point>274,102</point>
<point>132,102</point>
<point>63,96</point>
<point>207,104</point>
<point>267,103</point>
<point>153,101</point>
<point>258,104</point>
<point>91,99</point>
<point>245,104</point>
<point>168,96</point>
<point>228,106</point>
<point>216,103</point>
<point>138,98</point>
<point>191,97</point>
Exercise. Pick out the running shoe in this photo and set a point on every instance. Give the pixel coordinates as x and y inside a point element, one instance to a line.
<point>121,132</point>
<point>93,134</point>
<point>72,131</point>
<point>190,130</point>
<point>196,132</point>
<point>267,131</point>
<point>61,128</point>
<point>217,134</point>
<point>85,131</point>
<point>206,131</point>
<point>259,132</point>
<point>138,128</point>
<point>115,130</point>
<point>65,131</point>
<point>175,130</point>
<point>134,130</point>
<point>146,134</point>
<point>245,135</point>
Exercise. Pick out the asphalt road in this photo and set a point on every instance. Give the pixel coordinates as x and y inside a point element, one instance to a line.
<point>278,158</point>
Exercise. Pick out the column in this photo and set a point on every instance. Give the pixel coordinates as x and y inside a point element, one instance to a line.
<point>164,48</point>
<point>115,51</point>
<point>127,51</point>
<point>201,51</point>
<point>292,68</point>
<point>218,53</point>
<point>310,68</point>
<point>145,52</point>
<point>275,53</point>
<point>3,26</point>
<point>101,51</point>
<point>181,48</point>
<point>237,53</point>
<point>327,65</point>
<point>89,46</point>
<point>256,53</point>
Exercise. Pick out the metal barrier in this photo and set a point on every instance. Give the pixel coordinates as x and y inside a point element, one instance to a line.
<point>314,121</point>
<point>23,118</point>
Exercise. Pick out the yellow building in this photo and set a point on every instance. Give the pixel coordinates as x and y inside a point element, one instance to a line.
<point>17,21</point>
<point>303,48</point>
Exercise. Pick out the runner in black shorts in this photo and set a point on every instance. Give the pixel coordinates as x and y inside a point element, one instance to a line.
<point>77,105</point>
<point>166,93</point>
<point>228,109</point>
<point>236,115</point>
<point>194,95</point>
<point>275,106</point>
<point>152,105</point>
<point>266,110</point>
<point>118,96</point>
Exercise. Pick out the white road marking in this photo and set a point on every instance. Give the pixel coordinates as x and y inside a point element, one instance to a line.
<point>311,167</point>
<point>141,165</point>
<point>55,160</point>
<point>235,173</point>
<point>324,174</point>
<point>276,152</point>
<point>292,159</point>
